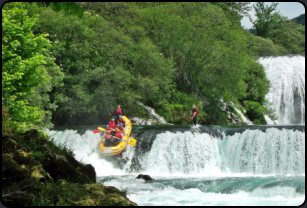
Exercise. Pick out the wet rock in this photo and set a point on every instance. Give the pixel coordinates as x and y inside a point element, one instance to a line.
<point>145,177</point>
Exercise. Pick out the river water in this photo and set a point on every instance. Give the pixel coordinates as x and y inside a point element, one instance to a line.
<point>202,165</point>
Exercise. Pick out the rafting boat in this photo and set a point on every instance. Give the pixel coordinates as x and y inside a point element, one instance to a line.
<point>121,146</point>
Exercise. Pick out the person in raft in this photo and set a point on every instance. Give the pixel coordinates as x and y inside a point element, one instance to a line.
<point>121,121</point>
<point>108,138</point>
<point>117,138</point>
<point>112,125</point>
<point>121,127</point>
<point>194,115</point>
<point>118,112</point>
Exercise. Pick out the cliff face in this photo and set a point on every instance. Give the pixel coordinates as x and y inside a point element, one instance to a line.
<point>36,172</point>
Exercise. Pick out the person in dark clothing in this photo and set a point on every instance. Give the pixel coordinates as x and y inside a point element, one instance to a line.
<point>194,115</point>
<point>118,112</point>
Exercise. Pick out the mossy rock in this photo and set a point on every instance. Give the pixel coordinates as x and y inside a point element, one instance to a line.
<point>38,173</point>
<point>22,157</point>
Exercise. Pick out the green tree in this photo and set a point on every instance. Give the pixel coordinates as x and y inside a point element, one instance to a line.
<point>288,34</point>
<point>68,7</point>
<point>103,67</point>
<point>23,66</point>
<point>263,23</point>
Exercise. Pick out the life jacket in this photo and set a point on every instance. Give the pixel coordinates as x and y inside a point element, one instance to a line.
<point>118,111</point>
<point>118,134</point>
<point>122,121</point>
<point>108,137</point>
<point>112,124</point>
<point>195,112</point>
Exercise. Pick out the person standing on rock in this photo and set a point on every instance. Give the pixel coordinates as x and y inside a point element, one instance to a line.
<point>194,115</point>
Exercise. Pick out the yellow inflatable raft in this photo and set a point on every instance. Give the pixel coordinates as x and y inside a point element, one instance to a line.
<point>115,150</point>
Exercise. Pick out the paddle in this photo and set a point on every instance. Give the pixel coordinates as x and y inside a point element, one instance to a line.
<point>98,131</point>
<point>132,141</point>
<point>100,128</point>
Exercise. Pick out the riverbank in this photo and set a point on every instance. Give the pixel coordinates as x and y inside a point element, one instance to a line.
<point>37,172</point>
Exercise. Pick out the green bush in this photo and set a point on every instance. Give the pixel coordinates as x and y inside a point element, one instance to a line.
<point>256,121</point>
<point>266,47</point>
<point>254,111</point>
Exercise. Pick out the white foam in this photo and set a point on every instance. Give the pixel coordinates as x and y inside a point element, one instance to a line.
<point>85,149</point>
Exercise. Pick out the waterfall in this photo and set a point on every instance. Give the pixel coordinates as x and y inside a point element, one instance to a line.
<point>287,92</point>
<point>271,151</point>
<point>245,120</point>
<point>185,153</point>
<point>277,152</point>
<point>153,113</point>
<point>84,148</point>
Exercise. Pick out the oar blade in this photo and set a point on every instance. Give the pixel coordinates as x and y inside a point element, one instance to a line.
<point>96,131</point>
<point>132,139</point>
<point>131,143</point>
<point>100,128</point>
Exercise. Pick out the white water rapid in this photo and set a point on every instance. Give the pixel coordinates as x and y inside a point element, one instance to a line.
<point>274,152</point>
<point>193,168</point>
<point>287,92</point>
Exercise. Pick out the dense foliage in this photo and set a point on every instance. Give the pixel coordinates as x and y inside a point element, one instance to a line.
<point>166,55</point>
<point>300,19</point>
<point>28,72</point>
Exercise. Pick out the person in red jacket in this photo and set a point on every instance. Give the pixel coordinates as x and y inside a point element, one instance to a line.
<point>112,125</point>
<point>117,138</point>
<point>118,112</point>
<point>194,115</point>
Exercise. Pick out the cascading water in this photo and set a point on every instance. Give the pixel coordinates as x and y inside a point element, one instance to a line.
<point>195,166</point>
<point>153,113</point>
<point>287,92</point>
<point>183,153</point>
<point>276,152</point>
